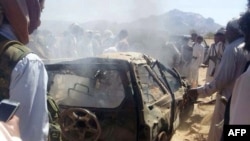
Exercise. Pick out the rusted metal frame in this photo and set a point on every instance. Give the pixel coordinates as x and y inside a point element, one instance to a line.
<point>172,95</point>
<point>136,86</point>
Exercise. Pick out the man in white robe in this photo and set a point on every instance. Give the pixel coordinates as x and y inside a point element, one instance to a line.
<point>197,59</point>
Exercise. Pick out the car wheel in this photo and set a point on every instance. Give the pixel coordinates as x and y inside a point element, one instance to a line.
<point>79,124</point>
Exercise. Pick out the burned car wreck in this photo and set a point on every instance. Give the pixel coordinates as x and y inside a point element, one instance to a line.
<point>123,96</point>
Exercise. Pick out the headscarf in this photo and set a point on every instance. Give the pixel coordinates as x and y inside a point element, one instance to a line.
<point>23,16</point>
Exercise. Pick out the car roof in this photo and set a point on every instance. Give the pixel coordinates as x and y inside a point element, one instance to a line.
<point>134,57</point>
<point>131,57</point>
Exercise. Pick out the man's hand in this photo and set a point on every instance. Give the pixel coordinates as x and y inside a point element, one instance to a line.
<point>13,126</point>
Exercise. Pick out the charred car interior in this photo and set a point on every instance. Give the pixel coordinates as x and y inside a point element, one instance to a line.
<point>123,96</point>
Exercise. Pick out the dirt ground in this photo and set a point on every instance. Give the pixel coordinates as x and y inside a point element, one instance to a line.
<point>196,127</point>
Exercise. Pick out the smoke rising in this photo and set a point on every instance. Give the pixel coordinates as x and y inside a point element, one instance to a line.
<point>77,29</point>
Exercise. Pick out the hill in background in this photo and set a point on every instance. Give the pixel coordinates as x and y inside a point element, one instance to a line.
<point>172,22</point>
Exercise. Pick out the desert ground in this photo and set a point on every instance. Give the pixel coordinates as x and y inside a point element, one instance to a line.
<point>196,127</point>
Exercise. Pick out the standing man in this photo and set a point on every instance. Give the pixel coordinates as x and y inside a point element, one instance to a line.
<point>197,59</point>
<point>231,66</point>
<point>240,97</point>
<point>122,44</point>
<point>22,73</point>
<point>215,54</point>
<point>192,39</point>
<point>186,57</point>
<point>187,54</point>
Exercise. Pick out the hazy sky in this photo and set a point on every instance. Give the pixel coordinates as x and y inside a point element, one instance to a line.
<point>128,10</point>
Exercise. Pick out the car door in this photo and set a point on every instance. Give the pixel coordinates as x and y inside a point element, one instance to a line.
<point>156,103</point>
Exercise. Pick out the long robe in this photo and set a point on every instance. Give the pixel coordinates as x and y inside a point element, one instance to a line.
<point>240,100</point>
<point>198,55</point>
<point>231,67</point>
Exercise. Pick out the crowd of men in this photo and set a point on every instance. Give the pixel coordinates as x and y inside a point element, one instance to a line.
<point>186,54</point>
<point>24,77</point>
<point>76,42</point>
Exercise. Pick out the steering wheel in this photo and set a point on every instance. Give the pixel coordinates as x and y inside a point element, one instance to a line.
<point>79,124</point>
